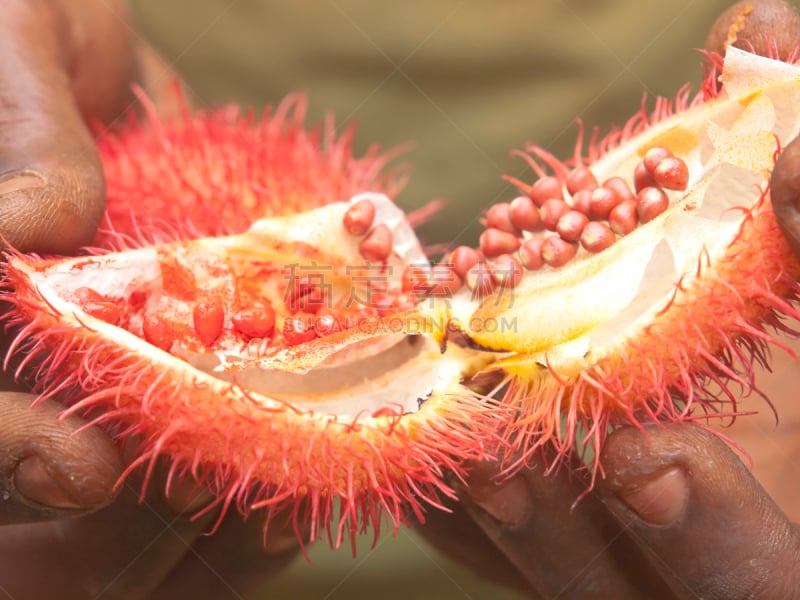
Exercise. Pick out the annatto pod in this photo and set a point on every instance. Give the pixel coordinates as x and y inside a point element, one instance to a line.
<point>317,356</point>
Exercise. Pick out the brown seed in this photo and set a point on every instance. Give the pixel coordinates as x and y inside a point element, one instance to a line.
<point>358,218</point>
<point>652,202</point>
<point>545,188</point>
<point>377,246</point>
<point>581,201</point>
<point>603,201</point>
<point>623,218</point>
<point>552,211</point>
<point>654,156</point>
<point>499,217</point>
<point>479,280</point>
<point>557,252</point>
<point>494,242</point>
<point>597,236</point>
<point>571,224</point>
<point>620,188</point>
<point>525,214</point>
<point>672,174</point>
<point>580,178</point>
<point>463,259</point>
<point>506,271</point>
<point>642,178</point>
<point>530,254</point>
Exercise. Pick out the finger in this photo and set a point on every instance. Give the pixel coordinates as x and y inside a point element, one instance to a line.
<point>61,60</point>
<point>785,194</point>
<point>47,470</point>
<point>764,26</point>
<point>122,551</point>
<point>562,551</point>
<point>692,506</point>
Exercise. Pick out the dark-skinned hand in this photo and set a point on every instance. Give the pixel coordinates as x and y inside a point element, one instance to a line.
<point>659,524</point>
<point>65,534</point>
<point>677,513</point>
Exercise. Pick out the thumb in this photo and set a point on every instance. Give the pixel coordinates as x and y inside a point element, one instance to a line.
<point>696,511</point>
<point>60,60</point>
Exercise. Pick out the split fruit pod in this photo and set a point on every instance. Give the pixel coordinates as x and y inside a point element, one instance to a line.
<point>232,324</point>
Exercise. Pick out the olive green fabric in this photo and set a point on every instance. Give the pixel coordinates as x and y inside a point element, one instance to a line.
<point>465,81</point>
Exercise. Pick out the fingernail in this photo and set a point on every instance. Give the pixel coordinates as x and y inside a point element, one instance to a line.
<point>507,501</point>
<point>17,181</point>
<point>659,499</point>
<point>34,482</point>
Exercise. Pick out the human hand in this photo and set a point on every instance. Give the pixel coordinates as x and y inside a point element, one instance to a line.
<point>63,63</point>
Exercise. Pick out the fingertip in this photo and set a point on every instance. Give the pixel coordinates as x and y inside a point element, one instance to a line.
<point>52,198</point>
<point>52,468</point>
<point>694,508</point>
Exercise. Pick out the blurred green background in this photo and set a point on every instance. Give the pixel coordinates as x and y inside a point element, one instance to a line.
<point>465,81</point>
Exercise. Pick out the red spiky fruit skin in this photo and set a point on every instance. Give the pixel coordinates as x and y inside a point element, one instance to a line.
<point>209,174</point>
<point>702,352</point>
<point>215,173</point>
<point>253,452</point>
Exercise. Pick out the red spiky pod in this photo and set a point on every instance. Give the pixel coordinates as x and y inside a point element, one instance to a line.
<point>317,356</point>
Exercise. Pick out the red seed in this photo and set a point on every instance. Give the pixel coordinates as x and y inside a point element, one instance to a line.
<point>580,178</point>
<point>582,200</point>
<point>255,321</point>
<point>620,187</point>
<point>552,211</point>
<point>524,214</point>
<point>305,294</point>
<point>208,317</point>
<point>672,174</point>
<point>623,218</point>
<point>463,259</point>
<point>652,202</point>
<point>602,203</point>
<point>96,304</point>
<point>415,280</point>
<point>479,280</point>
<point>597,236</point>
<point>506,271</point>
<point>494,242</point>
<point>557,252</point>
<point>444,280</point>
<point>103,310</point>
<point>298,330</point>
<point>530,254</point>
<point>326,325</point>
<point>545,188</point>
<point>571,224</point>
<point>642,178</point>
<point>499,217</point>
<point>654,156</point>
<point>157,332</point>
<point>358,218</point>
<point>377,246</point>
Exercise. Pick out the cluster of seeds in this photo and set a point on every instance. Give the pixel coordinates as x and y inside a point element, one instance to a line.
<point>464,266</point>
<point>572,210</point>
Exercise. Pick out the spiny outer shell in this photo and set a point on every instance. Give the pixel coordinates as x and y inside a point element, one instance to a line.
<point>692,345</point>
